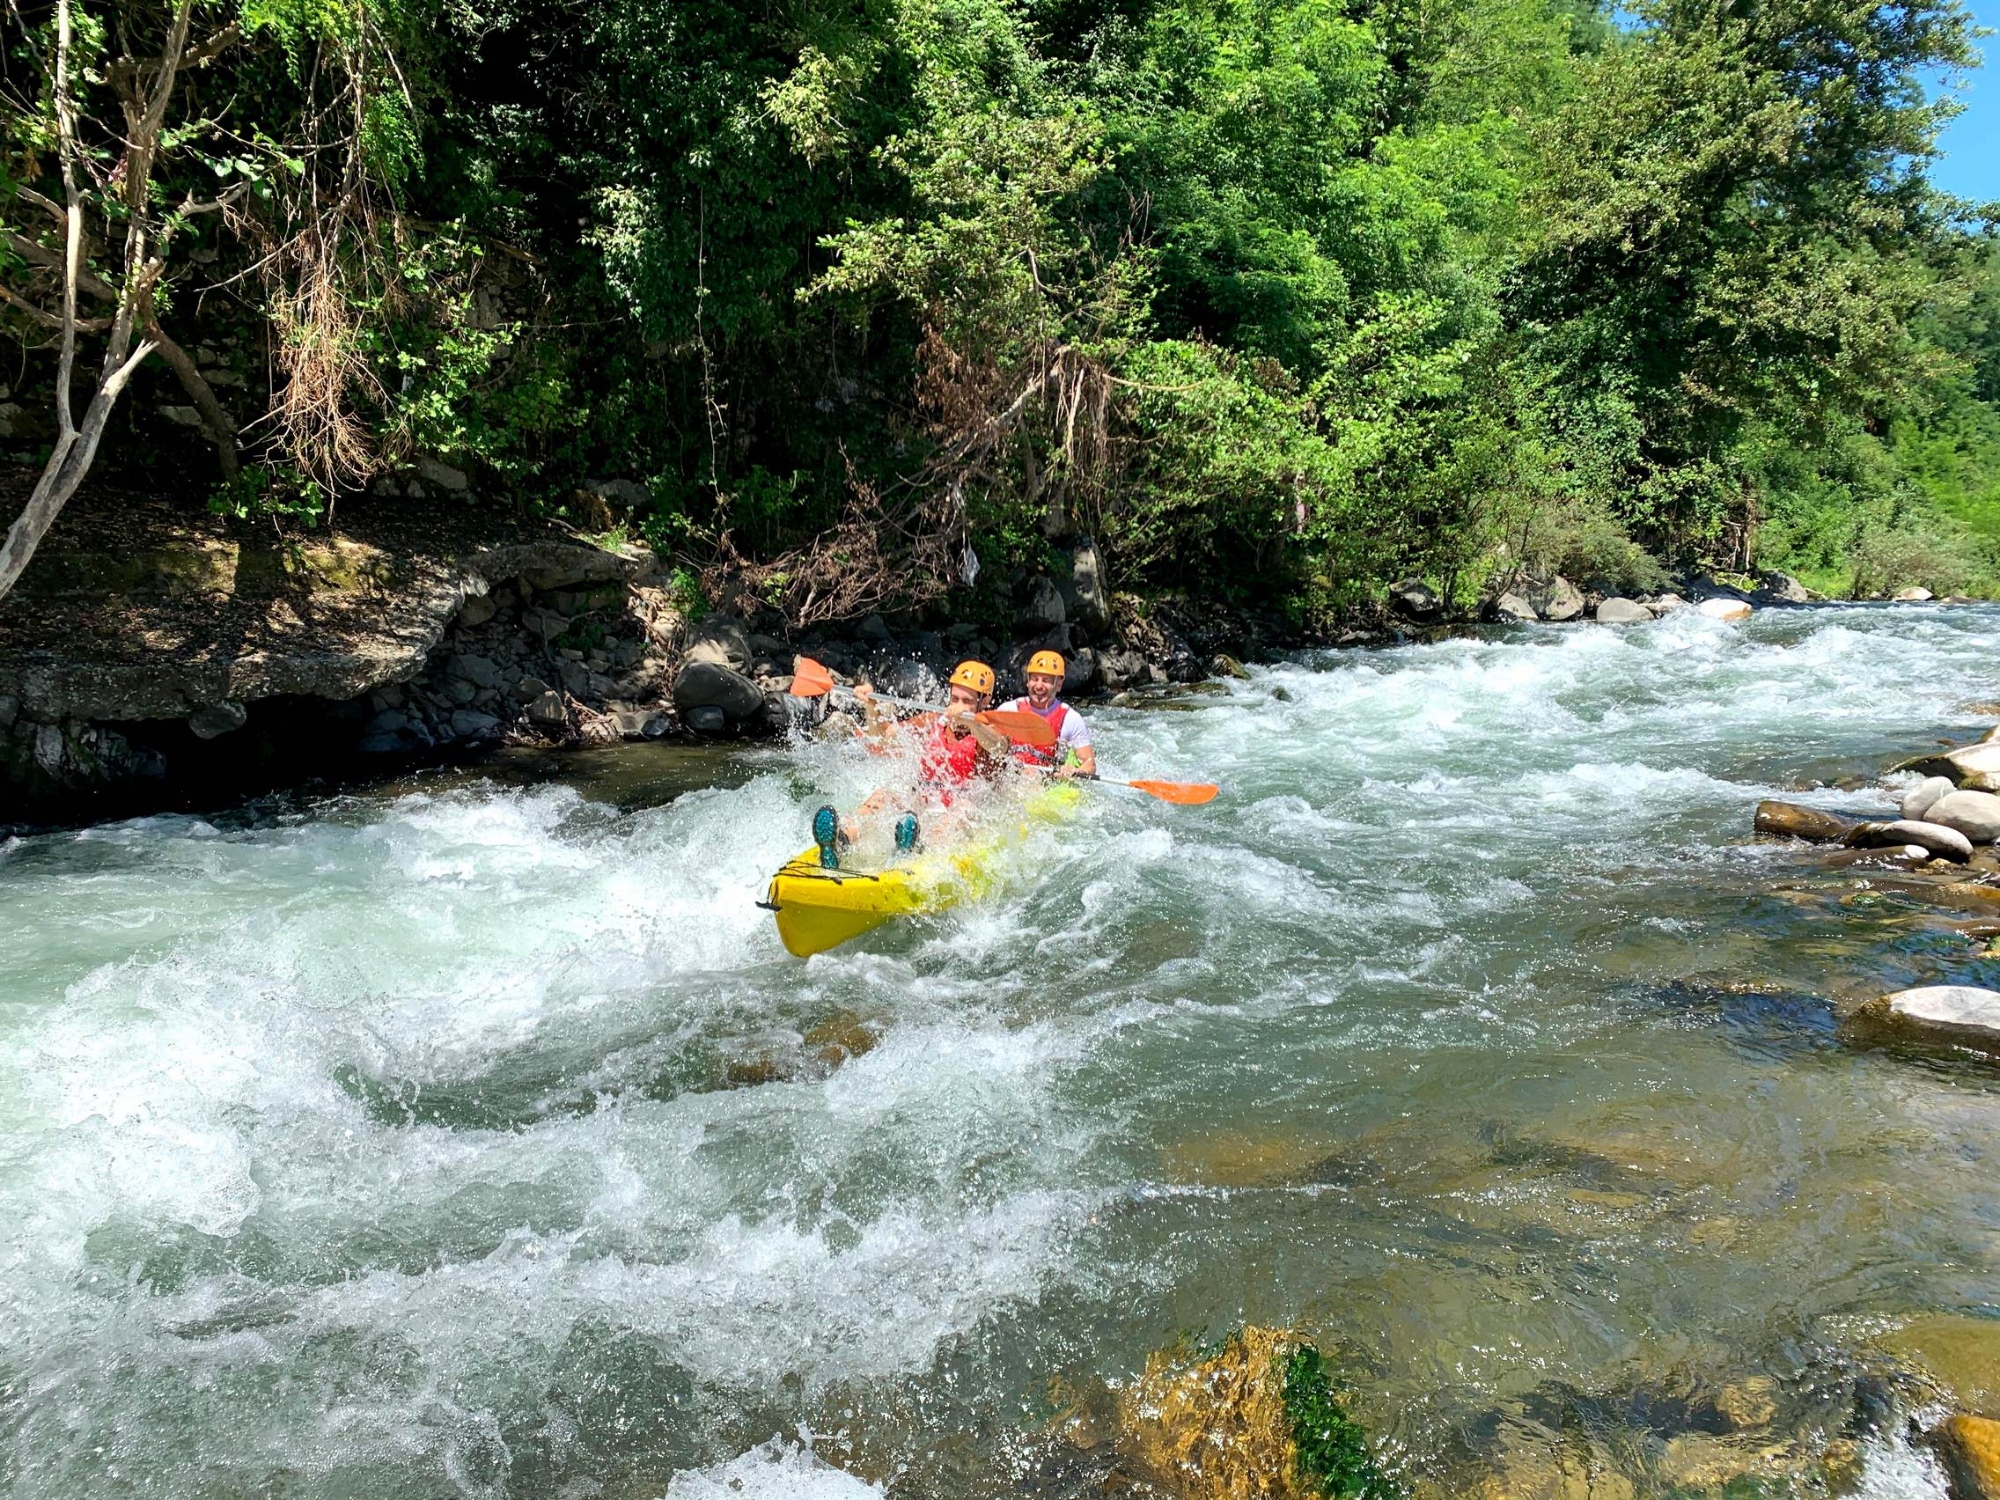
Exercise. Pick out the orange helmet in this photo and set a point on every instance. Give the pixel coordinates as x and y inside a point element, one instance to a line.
<point>973,674</point>
<point>1048,664</point>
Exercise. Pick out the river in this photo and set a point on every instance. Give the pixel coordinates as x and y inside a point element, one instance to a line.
<point>477,1136</point>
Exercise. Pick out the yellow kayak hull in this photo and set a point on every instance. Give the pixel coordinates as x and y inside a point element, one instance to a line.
<point>818,909</point>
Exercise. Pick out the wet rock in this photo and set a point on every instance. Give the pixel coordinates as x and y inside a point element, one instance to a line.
<point>1514,608</point>
<point>1748,1404</point>
<point>719,640</point>
<point>1974,814</point>
<point>1416,600</point>
<point>1666,604</point>
<point>1918,799</point>
<point>705,720</point>
<point>213,720</point>
<point>704,684</point>
<point>1893,856</point>
<point>1912,595</point>
<point>1945,843</point>
<point>1622,612</point>
<point>657,726</point>
<point>549,711</point>
<point>1789,820</point>
<point>1724,608</point>
<point>1558,599</point>
<point>1953,1015</point>
<point>1969,1448</point>
<point>1226,665</point>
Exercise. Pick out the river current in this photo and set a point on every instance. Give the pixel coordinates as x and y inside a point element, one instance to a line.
<point>477,1137</point>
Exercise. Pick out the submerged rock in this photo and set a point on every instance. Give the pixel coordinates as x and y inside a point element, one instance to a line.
<point>1953,1015</point>
<point>1960,1355</point>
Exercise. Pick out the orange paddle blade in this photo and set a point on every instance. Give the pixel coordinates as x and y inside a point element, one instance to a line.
<point>1021,727</point>
<point>809,679</point>
<point>1186,793</point>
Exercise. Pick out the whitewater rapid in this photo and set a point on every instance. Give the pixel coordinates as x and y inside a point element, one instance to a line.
<point>482,1140</point>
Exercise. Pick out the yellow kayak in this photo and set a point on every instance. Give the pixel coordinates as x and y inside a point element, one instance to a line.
<point>820,909</point>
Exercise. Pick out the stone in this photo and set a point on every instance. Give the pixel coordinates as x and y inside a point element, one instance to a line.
<point>1945,843</point>
<point>1969,1448</point>
<point>703,684</point>
<point>460,692</point>
<point>1225,665</point>
<point>1724,608</point>
<point>477,670</point>
<point>1959,1353</point>
<point>657,726</point>
<point>705,720</point>
<point>1415,600</point>
<point>1558,599</point>
<point>10,709</point>
<point>213,720</point>
<point>1666,604</point>
<point>548,710</point>
<point>182,416</point>
<point>443,476</point>
<point>1789,820</point>
<point>470,724</point>
<point>530,688</point>
<point>1093,599</point>
<point>873,629</point>
<point>1974,814</point>
<point>599,731</point>
<point>1785,588</point>
<point>1912,595</point>
<point>719,640</point>
<point>1968,761</point>
<point>575,678</point>
<point>1918,799</point>
<point>1952,1015</point>
<point>1514,608</point>
<point>626,492</point>
<point>765,645</point>
<point>1043,608</point>
<point>1622,612</point>
<point>477,610</point>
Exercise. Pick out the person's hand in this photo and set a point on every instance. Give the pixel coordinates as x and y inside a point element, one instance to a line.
<point>864,695</point>
<point>959,715</point>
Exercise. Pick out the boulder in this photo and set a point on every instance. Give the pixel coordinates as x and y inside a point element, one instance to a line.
<point>477,610</point>
<point>1912,596</point>
<point>213,720</point>
<point>1918,799</point>
<point>1622,612</point>
<point>705,684</point>
<point>1982,759</point>
<point>469,724</point>
<point>549,711</point>
<point>1959,1354</point>
<point>1945,843</point>
<point>1042,609</point>
<point>875,630</point>
<point>1969,1448</point>
<point>1415,600</point>
<point>1955,1015</point>
<point>1666,604</point>
<point>719,640</point>
<point>1785,588</point>
<point>1974,814</point>
<point>1513,608</point>
<point>528,689</point>
<point>1086,576</point>
<point>657,726</point>
<point>1789,820</point>
<point>1558,599</point>
<point>443,476</point>
<point>705,720</point>
<point>1722,607</point>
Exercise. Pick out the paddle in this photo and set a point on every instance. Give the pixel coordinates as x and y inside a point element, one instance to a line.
<point>811,680</point>
<point>1180,793</point>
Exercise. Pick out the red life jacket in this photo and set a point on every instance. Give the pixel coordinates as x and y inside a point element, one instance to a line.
<point>952,759</point>
<point>1056,717</point>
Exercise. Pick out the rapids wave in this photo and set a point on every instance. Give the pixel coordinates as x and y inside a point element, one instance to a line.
<point>482,1140</point>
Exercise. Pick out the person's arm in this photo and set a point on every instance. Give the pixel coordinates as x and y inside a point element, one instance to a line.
<point>876,726</point>
<point>1079,757</point>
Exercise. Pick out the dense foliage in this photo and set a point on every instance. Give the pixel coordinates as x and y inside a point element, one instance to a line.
<point>1276,298</point>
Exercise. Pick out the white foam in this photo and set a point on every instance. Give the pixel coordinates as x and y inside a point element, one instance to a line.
<point>776,1470</point>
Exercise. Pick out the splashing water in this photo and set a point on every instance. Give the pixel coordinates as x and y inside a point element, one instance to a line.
<point>483,1141</point>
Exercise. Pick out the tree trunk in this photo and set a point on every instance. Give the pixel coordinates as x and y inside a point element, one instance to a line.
<point>221,431</point>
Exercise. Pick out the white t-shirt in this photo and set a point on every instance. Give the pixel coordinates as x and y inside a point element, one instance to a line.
<point>1073,735</point>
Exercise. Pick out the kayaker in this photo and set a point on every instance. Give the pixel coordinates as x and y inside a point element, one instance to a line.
<point>952,748</point>
<point>1071,755</point>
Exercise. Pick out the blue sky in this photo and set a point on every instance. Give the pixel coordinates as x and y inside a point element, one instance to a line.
<point>1971,164</point>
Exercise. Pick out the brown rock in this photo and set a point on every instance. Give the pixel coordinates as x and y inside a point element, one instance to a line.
<point>1789,820</point>
<point>1970,1448</point>
<point>1960,1354</point>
